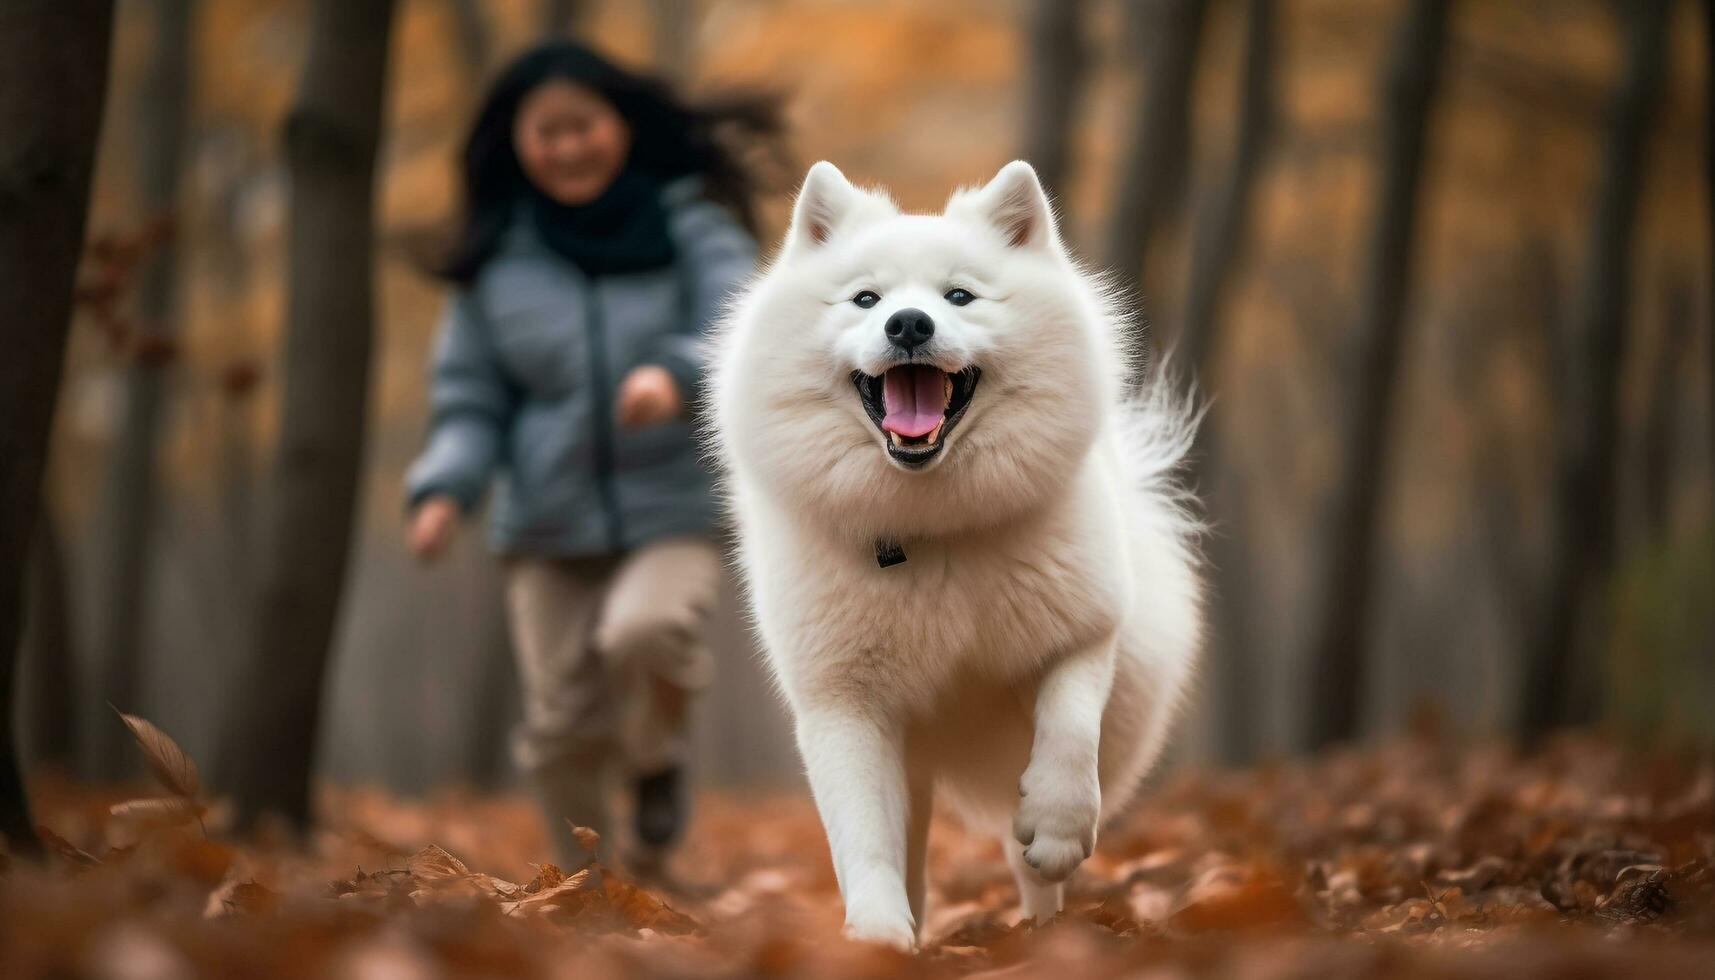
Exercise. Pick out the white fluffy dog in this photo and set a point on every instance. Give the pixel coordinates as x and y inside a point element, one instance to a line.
<point>968,561</point>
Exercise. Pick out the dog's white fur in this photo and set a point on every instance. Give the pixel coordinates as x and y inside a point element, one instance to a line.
<point>1026,660</point>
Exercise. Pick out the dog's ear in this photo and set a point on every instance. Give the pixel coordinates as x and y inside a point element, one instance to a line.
<point>1016,205</point>
<point>825,200</point>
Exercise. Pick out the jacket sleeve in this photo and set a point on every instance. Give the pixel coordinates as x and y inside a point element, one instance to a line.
<point>716,256</point>
<point>471,402</point>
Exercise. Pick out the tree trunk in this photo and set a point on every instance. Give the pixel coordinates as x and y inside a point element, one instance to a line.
<point>331,137</point>
<point>1349,574</point>
<point>494,705</point>
<point>475,42</point>
<point>53,73</point>
<point>1582,546</point>
<point>673,36</point>
<point>48,673</point>
<point>1222,230</point>
<point>1513,564</point>
<point>234,468</point>
<point>129,501</point>
<point>1709,187</point>
<point>1055,42</point>
<point>1661,428</point>
<point>1152,169</point>
<point>1215,254</point>
<point>562,18</point>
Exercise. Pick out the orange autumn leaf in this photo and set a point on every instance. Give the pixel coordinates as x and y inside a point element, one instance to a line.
<point>644,911</point>
<point>1233,900</point>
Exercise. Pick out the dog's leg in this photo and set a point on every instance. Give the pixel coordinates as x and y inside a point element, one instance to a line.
<point>1060,795</point>
<point>1040,900</point>
<point>917,843</point>
<point>857,774</point>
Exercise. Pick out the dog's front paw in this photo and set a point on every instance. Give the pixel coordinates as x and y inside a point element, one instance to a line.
<point>882,927</point>
<point>1056,818</point>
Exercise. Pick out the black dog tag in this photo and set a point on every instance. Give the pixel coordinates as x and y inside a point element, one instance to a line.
<point>888,553</point>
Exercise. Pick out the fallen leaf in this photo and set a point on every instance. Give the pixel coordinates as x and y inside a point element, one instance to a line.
<point>547,876</point>
<point>1477,877</point>
<point>553,896</point>
<point>244,895</point>
<point>587,839</point>
<point>645,911</point>
<point>163,810</point>
<point>1640,895</point>
<point>166,760</point>
<point>69,852</point>
<point>254,898</point>
<point>433,863</point>
<point>1233,899</point>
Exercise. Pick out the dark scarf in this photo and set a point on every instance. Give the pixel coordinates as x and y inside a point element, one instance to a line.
<point>623,230</point>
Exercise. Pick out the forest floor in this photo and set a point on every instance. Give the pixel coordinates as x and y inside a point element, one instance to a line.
<point>1406,860</point>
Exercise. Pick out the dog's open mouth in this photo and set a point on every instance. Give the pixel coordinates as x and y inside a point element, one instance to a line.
<point>915,406</point>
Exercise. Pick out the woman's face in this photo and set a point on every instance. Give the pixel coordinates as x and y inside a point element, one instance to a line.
<point>570,141</point>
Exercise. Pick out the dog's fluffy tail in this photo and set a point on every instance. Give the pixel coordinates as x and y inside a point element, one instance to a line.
<point>1157,430</point>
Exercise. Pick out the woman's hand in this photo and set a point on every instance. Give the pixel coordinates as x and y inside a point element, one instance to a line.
<point>432,527</point>
<point>648,396</point>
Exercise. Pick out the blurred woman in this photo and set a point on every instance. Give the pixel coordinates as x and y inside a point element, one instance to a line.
<point>605,220</point>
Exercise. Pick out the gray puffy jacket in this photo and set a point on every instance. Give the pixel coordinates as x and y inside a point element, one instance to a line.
<point>526,364</point>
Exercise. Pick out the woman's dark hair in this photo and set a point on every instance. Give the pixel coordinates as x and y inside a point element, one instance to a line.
<point>734,141</point>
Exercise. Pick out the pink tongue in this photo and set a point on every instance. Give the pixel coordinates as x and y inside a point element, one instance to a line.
<point>915,398</point>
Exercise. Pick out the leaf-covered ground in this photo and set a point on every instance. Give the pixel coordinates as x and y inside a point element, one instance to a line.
<point>1401,861</point>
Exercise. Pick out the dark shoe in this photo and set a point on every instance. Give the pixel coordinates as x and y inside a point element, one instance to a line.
<point>660,814</point>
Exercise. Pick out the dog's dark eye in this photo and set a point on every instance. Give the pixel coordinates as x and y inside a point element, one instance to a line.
<point>958,297</point>
<point>866,299</point>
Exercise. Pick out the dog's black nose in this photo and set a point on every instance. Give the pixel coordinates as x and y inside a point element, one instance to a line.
<point>908,328</point>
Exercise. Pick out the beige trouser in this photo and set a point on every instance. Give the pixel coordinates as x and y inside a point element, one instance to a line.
<point>609,651</point>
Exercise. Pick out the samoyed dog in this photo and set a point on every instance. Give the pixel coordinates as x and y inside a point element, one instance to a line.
<point>968,560</point>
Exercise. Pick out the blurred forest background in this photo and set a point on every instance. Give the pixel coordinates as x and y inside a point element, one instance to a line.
<point>1445,269</point>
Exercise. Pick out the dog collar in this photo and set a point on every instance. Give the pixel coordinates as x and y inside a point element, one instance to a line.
<point>888,553</point>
